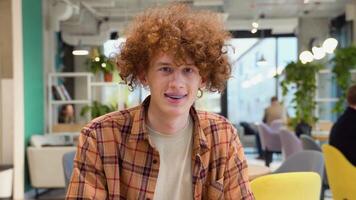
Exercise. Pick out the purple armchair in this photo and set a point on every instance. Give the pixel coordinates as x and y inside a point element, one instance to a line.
<point>277,124</point>
<point>290,143</point>
<point>270,141</point>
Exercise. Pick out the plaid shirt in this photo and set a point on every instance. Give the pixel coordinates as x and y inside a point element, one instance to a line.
<point>116,160</point>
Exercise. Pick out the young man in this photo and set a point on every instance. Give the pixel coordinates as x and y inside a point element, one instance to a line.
<point>343,132</point>
<point>275,111</point>
<point>164,148</point>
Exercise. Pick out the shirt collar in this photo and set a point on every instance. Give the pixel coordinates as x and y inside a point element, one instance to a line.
<point>139,130</point>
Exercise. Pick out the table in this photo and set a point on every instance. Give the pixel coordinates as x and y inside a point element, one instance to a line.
<point>255,171</point>
<point>322,136</point>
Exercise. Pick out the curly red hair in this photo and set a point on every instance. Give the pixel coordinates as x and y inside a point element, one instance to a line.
<point>199,35</point>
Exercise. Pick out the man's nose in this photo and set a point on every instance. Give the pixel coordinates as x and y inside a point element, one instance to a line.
<point>176,79</point>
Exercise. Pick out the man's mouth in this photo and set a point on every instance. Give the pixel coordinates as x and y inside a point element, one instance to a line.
<point>172,96</point>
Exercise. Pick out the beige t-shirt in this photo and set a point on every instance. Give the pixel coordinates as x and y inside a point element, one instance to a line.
<point>275,112</point>
<point>175,171</point>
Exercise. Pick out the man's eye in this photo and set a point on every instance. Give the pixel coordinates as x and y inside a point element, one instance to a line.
<point>188,70</point>
<point>165,69</point>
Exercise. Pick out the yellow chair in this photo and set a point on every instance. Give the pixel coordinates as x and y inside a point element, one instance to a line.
<point>340,172</point>
<point>287,186</point>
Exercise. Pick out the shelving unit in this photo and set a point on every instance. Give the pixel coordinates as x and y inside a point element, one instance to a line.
<point>98,84</point>
<point>89,86</point>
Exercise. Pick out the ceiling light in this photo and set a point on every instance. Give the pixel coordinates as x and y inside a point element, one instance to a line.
<point>255,25</point>
<point>330,45</point>
<point>318,53</point>
<point>262,61</point>
<point>254,30</point>
<point>306,56</point>
<point>80,52</point>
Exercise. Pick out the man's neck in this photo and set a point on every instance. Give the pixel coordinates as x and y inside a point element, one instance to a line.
<point>166,124</point>
<point>353,106</point>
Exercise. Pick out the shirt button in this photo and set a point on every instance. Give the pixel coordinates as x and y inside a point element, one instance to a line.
<point>154,162</point>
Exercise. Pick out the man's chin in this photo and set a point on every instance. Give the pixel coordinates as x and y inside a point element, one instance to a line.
<point>176,111</point>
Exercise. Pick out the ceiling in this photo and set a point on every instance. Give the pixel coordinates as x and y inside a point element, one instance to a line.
<point>92,17</point>
<point>237,9</point>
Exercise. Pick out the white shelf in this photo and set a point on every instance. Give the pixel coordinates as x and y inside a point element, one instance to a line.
<point>99,84</point>
<point>56,102</point>
<point>89,85</point>
<point>71,74</point>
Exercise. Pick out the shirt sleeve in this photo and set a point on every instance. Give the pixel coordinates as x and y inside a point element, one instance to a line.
<point>88,179</point>
<point>236,181</point>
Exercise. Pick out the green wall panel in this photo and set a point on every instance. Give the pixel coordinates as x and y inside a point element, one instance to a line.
<point>33,71</point>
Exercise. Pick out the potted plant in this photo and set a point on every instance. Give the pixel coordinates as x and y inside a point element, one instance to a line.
<point>303,78</point>
<point>344,61</point>
<point>100,63</point>
<point>97,109</point>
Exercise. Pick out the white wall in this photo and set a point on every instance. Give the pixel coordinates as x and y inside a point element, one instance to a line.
<point>7,107</point>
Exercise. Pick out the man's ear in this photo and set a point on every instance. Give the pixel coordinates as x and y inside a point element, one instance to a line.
<point>143,79</point>
<point>202,84</point>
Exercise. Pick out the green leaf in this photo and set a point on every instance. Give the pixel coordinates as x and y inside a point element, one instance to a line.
<point>344,61</point>
<point>302,78</point>
<point>96,66</point>
<point>97,109</point>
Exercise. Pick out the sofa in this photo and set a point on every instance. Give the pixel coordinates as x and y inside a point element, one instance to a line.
<point>44,157</point>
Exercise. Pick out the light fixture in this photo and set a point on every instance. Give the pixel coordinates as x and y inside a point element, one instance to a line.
<point>255,24</point>
<point>79,50</point>
<point>318,53</point>
<point>306,56</point>
<point>329,45</point>
<point>262,61</point>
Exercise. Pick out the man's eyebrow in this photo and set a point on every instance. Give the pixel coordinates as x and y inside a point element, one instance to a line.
<point>163,63</point>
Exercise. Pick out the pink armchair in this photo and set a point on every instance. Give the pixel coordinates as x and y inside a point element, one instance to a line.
<point>270,141</point>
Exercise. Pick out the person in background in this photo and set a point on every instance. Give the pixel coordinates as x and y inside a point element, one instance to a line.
<point>343,132</point>
<point>164,148</point>
<point>275,111</point>
<point>66,114</point>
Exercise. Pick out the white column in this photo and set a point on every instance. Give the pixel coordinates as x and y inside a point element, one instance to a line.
<point>19,149</point>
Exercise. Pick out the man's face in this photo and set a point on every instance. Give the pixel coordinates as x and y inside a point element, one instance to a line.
<point>173,88</point>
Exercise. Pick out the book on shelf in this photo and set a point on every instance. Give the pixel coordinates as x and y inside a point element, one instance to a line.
<point>65,92</point>
<point>60,93</point>
<point>56,94</point>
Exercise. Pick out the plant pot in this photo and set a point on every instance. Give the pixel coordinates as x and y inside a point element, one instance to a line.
<point>108,77</point>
